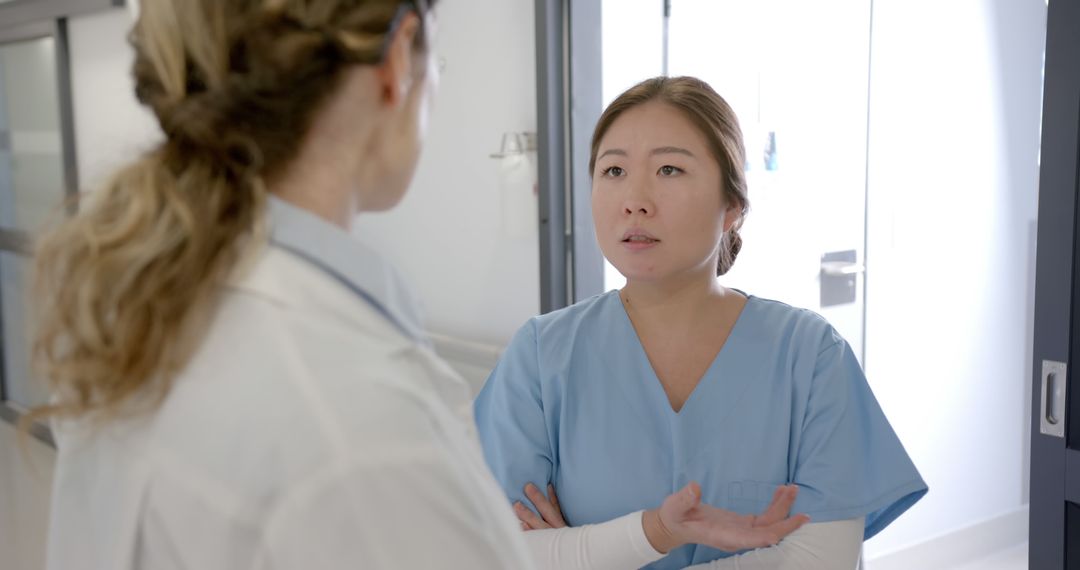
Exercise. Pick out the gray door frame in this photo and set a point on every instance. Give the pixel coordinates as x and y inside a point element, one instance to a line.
<point>569,82</point>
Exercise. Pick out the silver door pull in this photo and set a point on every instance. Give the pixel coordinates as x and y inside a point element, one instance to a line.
<point>841,268</point>
<point>1052,399</point>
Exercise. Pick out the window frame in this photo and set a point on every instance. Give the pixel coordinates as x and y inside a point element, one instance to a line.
<point>568,69</point>
<point>19,13</point>
<point>27,20</point>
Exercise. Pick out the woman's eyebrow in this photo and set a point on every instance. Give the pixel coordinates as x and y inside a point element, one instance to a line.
<point>617,151</point>
<point>671,150</point>
<point>655,151</point>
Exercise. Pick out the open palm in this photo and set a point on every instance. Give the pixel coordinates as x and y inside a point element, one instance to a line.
<point>691,521</point>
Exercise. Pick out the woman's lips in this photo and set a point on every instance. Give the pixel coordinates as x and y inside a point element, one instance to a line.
<point>636,240</point>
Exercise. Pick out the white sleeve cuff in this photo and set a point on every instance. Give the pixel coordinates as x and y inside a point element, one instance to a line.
<point>616,545</point>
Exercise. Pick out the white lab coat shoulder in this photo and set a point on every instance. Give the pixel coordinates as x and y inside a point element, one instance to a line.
<point>306,431</point>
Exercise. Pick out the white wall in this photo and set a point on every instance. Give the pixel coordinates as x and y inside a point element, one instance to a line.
<point>111,128</point>
<point>477,279</point>
<point>954,125</point>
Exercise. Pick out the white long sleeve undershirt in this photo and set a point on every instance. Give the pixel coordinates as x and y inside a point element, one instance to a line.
<point>620,544</point>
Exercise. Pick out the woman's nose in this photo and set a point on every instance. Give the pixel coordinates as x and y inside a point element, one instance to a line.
<point>637,202</point>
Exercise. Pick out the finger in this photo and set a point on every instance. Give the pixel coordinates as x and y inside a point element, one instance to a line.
<point>677,506</point>
<point>528,517</point>
<point>525,515</point>
<point>775,512</point>
<point>555,500</point>
<point>544,506</point>
<point>690,495</point>
<point>780,530</point>
<point>780,507</point>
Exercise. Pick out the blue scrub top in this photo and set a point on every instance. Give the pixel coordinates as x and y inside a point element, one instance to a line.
<point>575,402</point>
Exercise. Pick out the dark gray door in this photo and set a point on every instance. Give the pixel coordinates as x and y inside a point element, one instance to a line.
<point>1055,441</point>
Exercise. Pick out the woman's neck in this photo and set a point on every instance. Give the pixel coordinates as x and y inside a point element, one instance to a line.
<point>673,301</point>
<point>321,192</point>
<point>329,174</point>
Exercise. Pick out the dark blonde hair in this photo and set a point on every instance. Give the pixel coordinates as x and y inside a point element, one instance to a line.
<point>125,285</point>
<point>711,114</point>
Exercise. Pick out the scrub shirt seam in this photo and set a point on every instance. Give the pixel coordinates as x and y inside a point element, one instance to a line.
<point>834,343</point>
<point>552,460</point>
<point>912,485</point>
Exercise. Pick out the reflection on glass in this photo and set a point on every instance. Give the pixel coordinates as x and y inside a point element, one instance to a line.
<point>14,288</point>
<point>31,154</point>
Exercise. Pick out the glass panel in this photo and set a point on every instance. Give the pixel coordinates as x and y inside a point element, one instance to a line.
<point>31,153</point>
<point>14,288</point>
<point>797,75</point>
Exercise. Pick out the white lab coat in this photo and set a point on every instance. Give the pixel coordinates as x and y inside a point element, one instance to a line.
<point>307,431</point>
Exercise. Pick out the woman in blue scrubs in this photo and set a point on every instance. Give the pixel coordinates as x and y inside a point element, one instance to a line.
<point>623,399</point>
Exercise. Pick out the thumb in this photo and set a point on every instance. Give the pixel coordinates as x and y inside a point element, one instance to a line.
<point>689,496</point>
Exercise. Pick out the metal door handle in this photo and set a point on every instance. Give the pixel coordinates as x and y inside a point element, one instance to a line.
<point>1052,400</point>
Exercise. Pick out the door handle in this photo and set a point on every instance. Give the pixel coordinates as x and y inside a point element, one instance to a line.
<point>839,277</point>
<point>1052,399</point>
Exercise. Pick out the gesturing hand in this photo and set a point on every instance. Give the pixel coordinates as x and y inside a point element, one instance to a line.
<point>684,519</point>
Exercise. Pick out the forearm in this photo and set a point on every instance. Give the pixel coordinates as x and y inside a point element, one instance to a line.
<point>816,546</point>
<point>617,544</point>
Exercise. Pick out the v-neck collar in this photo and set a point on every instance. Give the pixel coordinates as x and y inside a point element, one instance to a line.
<point>658,396</point>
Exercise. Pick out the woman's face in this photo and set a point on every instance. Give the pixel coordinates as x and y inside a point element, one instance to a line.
<point>657,197</point>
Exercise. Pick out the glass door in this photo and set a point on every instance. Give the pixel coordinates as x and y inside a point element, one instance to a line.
<point>797,75</point>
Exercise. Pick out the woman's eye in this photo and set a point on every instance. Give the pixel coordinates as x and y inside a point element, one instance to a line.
<point>613,171</point>
<point>669,170</point>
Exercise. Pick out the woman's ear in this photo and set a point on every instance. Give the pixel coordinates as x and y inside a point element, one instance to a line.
<point>731,218</point>
<point>396,71</point>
